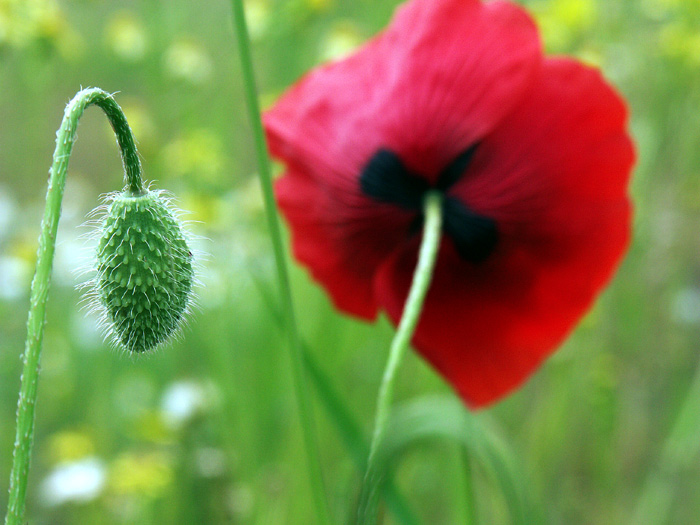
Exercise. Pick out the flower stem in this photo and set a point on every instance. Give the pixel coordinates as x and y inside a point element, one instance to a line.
<point>409,319</point>
<point>303,401</point>
<point>65,137</point>
<point>341,416</point>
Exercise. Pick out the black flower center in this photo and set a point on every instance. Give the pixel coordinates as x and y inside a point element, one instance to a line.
<point>386,179</point>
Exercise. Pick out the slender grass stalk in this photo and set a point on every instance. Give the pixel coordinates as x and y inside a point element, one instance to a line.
<point>341,416</point>
<point>679,452</point>
<point>467,501</point>
<point>303,401</point>
<point>65,137</point>
<point>409,319</point>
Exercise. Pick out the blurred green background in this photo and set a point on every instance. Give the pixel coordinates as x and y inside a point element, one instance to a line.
<point>206,430</point>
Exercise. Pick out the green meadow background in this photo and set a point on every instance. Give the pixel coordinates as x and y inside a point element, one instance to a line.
<point>206,429</point>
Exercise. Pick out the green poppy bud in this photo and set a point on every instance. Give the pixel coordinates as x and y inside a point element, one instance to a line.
<point>144,270</point>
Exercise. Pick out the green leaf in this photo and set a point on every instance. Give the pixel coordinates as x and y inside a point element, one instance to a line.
<point>445,418</point>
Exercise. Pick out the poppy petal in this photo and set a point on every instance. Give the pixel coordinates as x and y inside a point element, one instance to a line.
<point>553,175</point>
<point>305,206</point>
<point>462,66</point>
<point>456,65</point>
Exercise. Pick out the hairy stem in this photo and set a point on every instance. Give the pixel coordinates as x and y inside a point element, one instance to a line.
<point>409,319</point>
<point>303,401</point>
<point>65,137</point>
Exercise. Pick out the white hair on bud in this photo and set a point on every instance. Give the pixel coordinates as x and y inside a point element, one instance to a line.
<point>143,275</point>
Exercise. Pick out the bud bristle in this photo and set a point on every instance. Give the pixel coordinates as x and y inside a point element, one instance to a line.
<point>144,270</point>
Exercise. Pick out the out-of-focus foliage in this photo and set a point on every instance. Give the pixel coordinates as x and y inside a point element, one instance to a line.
<point>205,431</point>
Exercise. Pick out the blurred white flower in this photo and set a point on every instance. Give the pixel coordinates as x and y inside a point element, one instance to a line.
<point>14,278</point>
<point>8,209</point>
<point>126,37</point>
<point>85,326</point>
<point>685,306</point>
<point>241,501</point>
<point>78,482</point>
<point>188,60</point>
<point>211,462</point>
<point>182,401</point>
<point>73,255</point>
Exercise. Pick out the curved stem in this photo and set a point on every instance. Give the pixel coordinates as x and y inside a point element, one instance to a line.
<point>409,319</point>
<point>303,401</point>
<point>65,137</point>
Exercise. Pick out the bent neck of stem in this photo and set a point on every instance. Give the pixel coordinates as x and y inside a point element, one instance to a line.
<point>65,137</point>
<point>413,307</point>
<point>115,115</point>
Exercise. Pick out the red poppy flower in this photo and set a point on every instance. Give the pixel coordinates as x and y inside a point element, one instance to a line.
<point>532,156</point>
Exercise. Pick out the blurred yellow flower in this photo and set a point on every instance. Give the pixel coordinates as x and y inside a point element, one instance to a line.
<point>564,20</point>
<point>198,152</point>
<point>188,60</point>
<point>24,247</point>
<point>251,198</point>
<point>342,39</point>
<point>150,426</point>
<point>257,16</point>
<point>23,22</point>
<point>70,445</point>
<point>19,20</point>
<point>318,5</point>
<point>201,207</point>
<point>125,36</point>
<point>679,40</point>
<point>590,56</point>
<point>143,474</point>
<point>267,99</point>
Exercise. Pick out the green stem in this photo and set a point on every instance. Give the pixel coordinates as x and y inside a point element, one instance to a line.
<point>303,401</point>
<point>341,416</point>
<point>409,319</point>
<point>65,137</point>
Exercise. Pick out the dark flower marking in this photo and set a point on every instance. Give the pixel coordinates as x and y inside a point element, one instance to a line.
<point>386,179</point>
